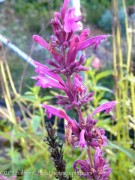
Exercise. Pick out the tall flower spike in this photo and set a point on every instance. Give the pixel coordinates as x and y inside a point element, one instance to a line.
<point>100,170</point>
<point>64,46</point>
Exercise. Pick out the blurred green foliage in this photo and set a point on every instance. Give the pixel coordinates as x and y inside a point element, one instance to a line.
<point>103,15</point>
<point>23,150</point>
<point>35,15</point>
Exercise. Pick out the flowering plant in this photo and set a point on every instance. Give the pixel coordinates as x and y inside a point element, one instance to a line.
<point>64,46</point>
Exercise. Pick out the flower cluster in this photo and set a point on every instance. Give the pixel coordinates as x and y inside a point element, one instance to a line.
<point>99,171</point>
<point>64,46</point>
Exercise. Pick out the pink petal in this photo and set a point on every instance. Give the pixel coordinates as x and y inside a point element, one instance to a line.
<point>84,34</point>
<point>82,142</point>
<point>52,110</point>
<point>64,7</point>
<point>71,21</point>
<point>44,69</point>
<point>47,82</point>
<point>57,112</point>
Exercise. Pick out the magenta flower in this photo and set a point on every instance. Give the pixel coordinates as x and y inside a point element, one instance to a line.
<point>79,88</point>
<point>44,70</point>
<point>46,78</point>
<point>59,113</point>
<point>71,21</point>
<point>94,41</point>
<point>99,171</point>
<point>96,137</point>
<point>84,170</point>
<point>104,107</point>
<point>88,134</point>
<point>101,168</point>
<point>50,47</point>
<point>41,41</point>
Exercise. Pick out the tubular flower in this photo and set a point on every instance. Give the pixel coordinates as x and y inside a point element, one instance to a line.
<point>41,41</point>
<point>59,113</point>
<point>46,78</point>
<point>71,21</point>
<point>78,85</point>
<point>104,107</point>
<point>94,41</point>
<point>82,142</point>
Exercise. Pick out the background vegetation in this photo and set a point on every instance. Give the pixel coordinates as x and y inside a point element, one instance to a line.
<point>21,117</point>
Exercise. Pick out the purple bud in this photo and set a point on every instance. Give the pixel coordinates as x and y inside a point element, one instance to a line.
<point>57,15</point>
<point>82,59</point>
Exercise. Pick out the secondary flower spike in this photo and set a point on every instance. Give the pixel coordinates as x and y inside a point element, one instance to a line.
<point>100,170</point>
<point>62,72</point>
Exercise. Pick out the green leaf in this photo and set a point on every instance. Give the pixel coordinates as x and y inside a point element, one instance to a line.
<point>47,98</point>
<point>20,135</point>
<point>100,96</point>
<point>29,98</point>
<point>130,153</point>
<point>106,125</point>
<point>54,93</point>
<point>103,74</point>
<point>102,88</point>
<point>88,61</point>
<point>28,93</point>
<point>91,73</point>
<point>35,122</point>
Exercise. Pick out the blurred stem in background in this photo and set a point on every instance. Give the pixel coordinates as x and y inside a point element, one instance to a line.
<point>122,72</point>
<point>124,84</point>
<point>12,98</point>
